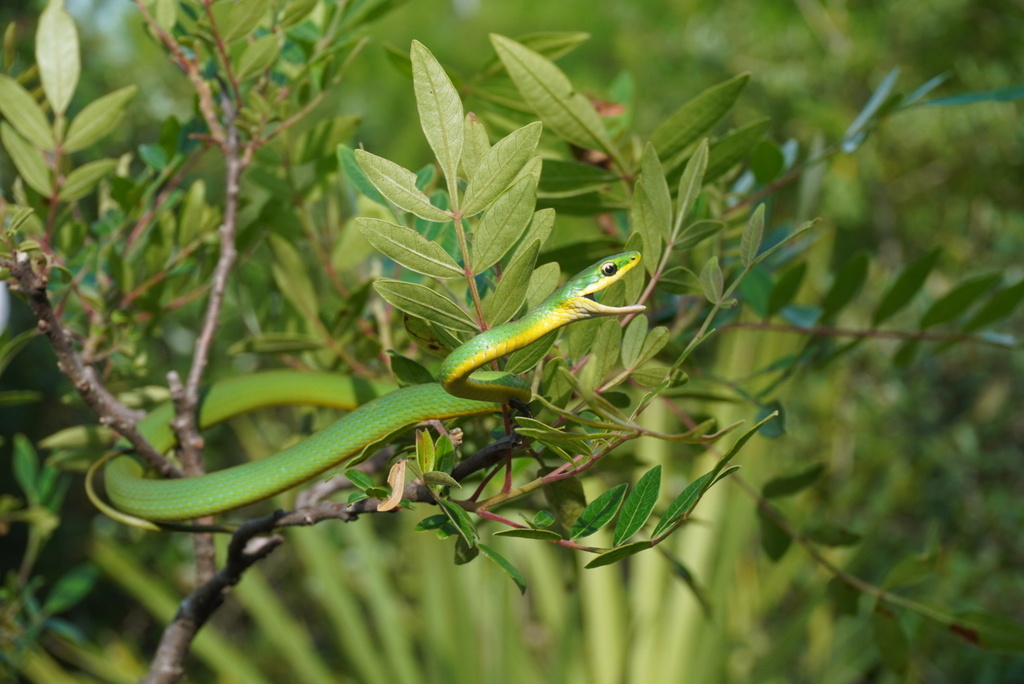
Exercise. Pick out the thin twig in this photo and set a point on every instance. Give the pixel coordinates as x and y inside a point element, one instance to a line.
<point>112,413</point>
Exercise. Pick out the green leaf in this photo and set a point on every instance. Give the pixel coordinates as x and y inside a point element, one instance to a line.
<point>732,148</point>
<point>19,397</point>
<point>889,639</point>
<point>957,300</point>
<point>408,372</point>
<point>690,183</point>
<point>297,10</point>
<point>906,285</point>
<point>276,343</point>
<point>503,223</point>
<point>909,570</point>
<point>697,233</point>
<point>84,179</point>
<point>1008,94</point>
<point>831,535</point>
<point>425,455</point>
<point>989,631</point>
<point>509,295</point>
<point>766,161</point>
<point>544,535</point>
<point>638,506</point>
<point>599,512</point>
<point>633,340</point>
<point>683,504</point>
<point>506,567</point>
<point>398,185</point>
<point>848,283</point>
<point>26,468</point>
<point>499,167</point>
<point>241,18</point>
<point>424,302</point>
<point>23,112</point>
<point>563,178</point>
<point>750,243</point>
<point>774,539</point>
<point>657,191</point>
<point>786,287</point>
<point>550,94</point>
<point>57,55</point>
<point>437,477</point>
<point>98,119</point>
<point>643,220</point>
<point>565,497</point>
<point>696,117</point>
<point>711,281</point>
<point>475,145</point>
<point>999,306</point>
<point>865,121</point>
<point>360,479</point>
<point>350,167</point>
<point>27,160</point>
<point>440,110</point>
<point>791,484</point>
<point>292,276</point>
<point>408,248</point>
<point>460,519</point>
<point>71,588</point>
<point>615,555</point>
<point>258,56</point>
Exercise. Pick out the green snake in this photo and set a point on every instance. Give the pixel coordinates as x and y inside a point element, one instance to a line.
<point>461,390</point>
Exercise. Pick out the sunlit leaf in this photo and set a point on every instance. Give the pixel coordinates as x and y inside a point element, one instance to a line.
<point>399,186</point>
<point>408,248</point>
<point>552,96</point>
<point>424,302</point>
<point>98,119</point>
<point>57,55</point>
<point>27,160</point>
<point>499,167</point>
<point>81,181</point>
<point>23,112</point>
<point>440,109</point>
<point>503,223</point>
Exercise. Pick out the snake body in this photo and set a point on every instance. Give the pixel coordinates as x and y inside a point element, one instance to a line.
<point>461,390</point>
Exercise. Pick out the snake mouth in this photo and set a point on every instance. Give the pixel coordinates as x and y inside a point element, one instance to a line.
<point>590,296</point>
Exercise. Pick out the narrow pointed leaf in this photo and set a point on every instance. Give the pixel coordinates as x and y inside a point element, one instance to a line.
<point>544,535</point>
<point>424,302</point>
<point>98,119</point>
<point>460,518</point>
<point>848,283</point>
<point>682,505</point>
<point>510,294</point>
<point>551,95</point>
<point>732,148</point>
<point>791,484</point>
<point>697,116</point>
<point>57,55</point>
<point>504,223</point>
<point>568,178</point>
<point>82,180</point>
<point>615,555</point>
<point>258,56</point>
<point>440,109</point>
<point>27,159</point>
<point>957,300</point>
<point>906,285</point>
<point>599,512</point>
<point>638,506</point>
<point>475,145</point>
<point>23,112</point>
<point>750,243</point>
<point>999,306</point>
<point>657,191</point>
<point>408,248</point>
<point>690,183</point>
<point>711,281</point>
<point>398,185</point>
<point>499,168</point>
<point>506,567</point>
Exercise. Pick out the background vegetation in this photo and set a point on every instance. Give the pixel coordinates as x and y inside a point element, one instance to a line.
<point>920,445</point>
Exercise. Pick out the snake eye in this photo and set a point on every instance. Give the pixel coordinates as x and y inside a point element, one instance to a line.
<point>609,269</point>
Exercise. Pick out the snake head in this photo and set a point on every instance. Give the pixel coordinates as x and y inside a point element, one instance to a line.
<point>577,295</point>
